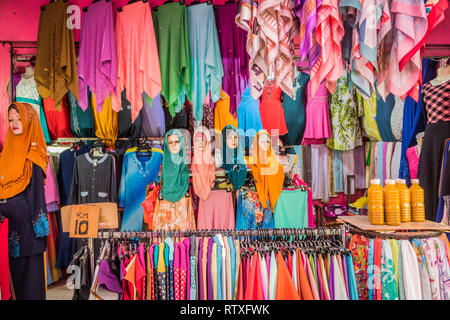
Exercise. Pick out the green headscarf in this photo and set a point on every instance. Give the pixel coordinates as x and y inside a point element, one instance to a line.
<point>175,172</point>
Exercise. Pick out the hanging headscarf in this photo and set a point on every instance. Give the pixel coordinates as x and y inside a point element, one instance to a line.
<point>233,159</point>
<point>21,151</point>
<point>203,166</point>
<point>175,172</point>
<point>267,172</point>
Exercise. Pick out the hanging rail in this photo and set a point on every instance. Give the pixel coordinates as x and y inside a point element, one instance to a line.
<point>308,233</point>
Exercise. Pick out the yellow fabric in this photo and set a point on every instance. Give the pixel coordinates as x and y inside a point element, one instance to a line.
<point>56,69</point>
<point>370,110</point>
<point>394,249</point>
<point>134,149</point>
<point>106,122</point>
<point>20,151</point>
<point>267,172</point>
<point>222,116</point>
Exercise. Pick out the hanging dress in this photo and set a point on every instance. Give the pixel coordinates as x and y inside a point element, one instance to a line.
<point>271,110</point>
<point>58,121</point>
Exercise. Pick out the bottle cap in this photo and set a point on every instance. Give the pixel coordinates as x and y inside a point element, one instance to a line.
<point>400,181</point>
<point>389,181</point>
<point>375,181</point>
<point>415,181</point>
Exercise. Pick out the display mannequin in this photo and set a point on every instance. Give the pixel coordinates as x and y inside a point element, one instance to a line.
<point>443,73</point>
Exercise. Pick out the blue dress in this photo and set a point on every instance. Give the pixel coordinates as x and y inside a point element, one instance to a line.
<point>249,118</point>
<point>383,117</point>
<point>137,174</point>
<point>413,120</point>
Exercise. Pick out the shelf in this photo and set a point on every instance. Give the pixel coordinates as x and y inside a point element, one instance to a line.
<point>362,222</point>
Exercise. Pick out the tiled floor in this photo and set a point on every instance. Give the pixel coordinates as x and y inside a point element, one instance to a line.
<point>59,291</point>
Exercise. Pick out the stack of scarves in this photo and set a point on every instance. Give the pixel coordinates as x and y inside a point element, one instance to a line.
<point>389,269</point>
<point>222,268</point>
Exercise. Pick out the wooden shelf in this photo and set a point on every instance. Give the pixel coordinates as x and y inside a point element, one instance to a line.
<point>362,222</point>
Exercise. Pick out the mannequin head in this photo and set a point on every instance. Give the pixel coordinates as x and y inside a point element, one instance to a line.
<point>232,139</point>
<point>419,138</point>
<point>174,143</point>
<point>264,142</point>
<point>200,141</point>
<point>15,122</point>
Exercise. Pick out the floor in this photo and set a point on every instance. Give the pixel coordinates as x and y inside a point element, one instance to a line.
<point>59,291</point>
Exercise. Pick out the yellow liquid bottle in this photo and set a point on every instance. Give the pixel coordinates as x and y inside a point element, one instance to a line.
<point>376,202</point>
<point>392,203</point>
<point>405,200</point>
<point>417,201</point>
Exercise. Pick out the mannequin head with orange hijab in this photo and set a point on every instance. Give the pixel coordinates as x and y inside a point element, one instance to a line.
<point>24,145</point>
<point>266,169</point>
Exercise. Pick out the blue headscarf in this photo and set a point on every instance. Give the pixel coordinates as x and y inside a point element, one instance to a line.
<point>233,159</point>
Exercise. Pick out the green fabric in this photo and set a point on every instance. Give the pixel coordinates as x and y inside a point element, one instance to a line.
<point>291,210</point>
<point>175,173</point>
<point>401,287</point>
<point>172,38</point>
<point>389,284</point>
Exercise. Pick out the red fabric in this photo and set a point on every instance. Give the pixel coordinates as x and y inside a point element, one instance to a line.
<point>377,270</point>
<point>240,289</point>
<point>290,264</point>
<point>140,279</point>
<point>4,261</point>
<point>254,290</point>
<point>304,289</point>
<point>149,206</point>
<point>271,111</point>
<point>58,122</point>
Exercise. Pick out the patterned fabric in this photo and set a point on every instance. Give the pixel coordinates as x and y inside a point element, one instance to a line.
<point>384,42</point>
<point>174,215</point>
<point>417,245</point>
<point>359,248</point>
<point>162,285</point>
<point>171,282</point>
<point>444,270</point>
<point>183,282</point>
<point>401,270</point>
<point>389,283</point>
<point>411,26</point>
<point>437,101</point>
<point>251,214</point>
<point>369,123</point>
<point>397,118</point>
<point>344,117</point>
<point>433,268</point>
<point>329,33</point>
<point>308,16</point>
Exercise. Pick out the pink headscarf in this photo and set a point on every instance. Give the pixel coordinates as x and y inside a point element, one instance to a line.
<point>203,167</point>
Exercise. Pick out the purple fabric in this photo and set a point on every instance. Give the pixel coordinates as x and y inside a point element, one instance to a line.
<point>97,63</point>
<point>153,123</point>
<point>344,267</point>
<point>208,268</point>
<point>16,79</point>
<point>360,167</point>
<point>268,262</point>
<point>107,278</point>
<point>331,279</point>
<point>200,270</point>
<point>234,55</point>
<point>310,24</point>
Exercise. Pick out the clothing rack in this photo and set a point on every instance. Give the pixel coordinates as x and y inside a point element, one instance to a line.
<point>320,233</point>
<point>75,140</point>
<point>405,236</point>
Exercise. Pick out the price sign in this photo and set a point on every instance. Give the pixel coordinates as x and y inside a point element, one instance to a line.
<point>84,221</point>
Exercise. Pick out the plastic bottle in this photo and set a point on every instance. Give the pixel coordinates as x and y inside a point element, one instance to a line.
<point>417,201</point>
<point>392,203</point>
<point>405,200</point>
<point>376,202</point>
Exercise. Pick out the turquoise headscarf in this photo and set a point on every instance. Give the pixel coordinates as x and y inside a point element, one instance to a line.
<point>233,160</point>
<point>175,172</point>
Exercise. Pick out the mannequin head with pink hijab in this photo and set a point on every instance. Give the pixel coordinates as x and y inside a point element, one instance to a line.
<point>203,166</point>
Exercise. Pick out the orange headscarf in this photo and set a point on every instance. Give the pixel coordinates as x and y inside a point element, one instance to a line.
<point>267,172</point>
<point>20,151</point>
